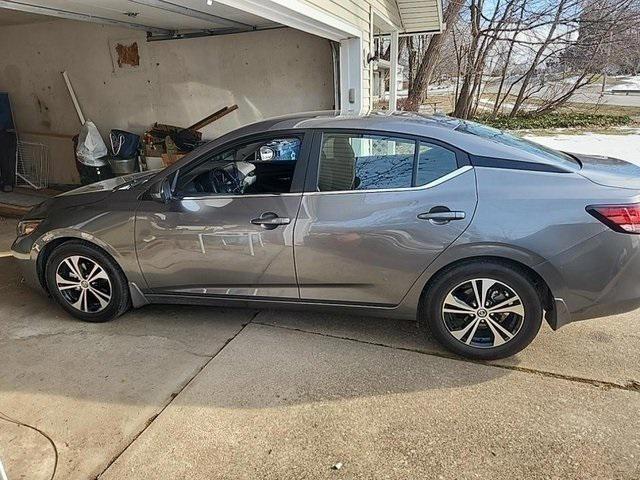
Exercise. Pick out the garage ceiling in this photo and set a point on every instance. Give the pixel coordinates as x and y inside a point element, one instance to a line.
<point>157,16</point>
<point>13,17</point>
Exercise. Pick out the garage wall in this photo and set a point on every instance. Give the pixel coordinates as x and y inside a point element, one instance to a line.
<point>177,82</point>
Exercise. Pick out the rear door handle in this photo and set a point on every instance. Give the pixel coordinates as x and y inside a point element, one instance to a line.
<point>442,216</point>
<point>270,220</point>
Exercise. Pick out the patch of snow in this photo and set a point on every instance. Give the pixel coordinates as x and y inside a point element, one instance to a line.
<point>625,146</point>
<point>572,80</point>
<point>628,83</point>
<point>441,87</point>
<point>488,104</point>
<point>404,93</point>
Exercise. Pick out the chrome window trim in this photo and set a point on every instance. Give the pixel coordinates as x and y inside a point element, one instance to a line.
<point>435,183</point>
<point>253,195</point>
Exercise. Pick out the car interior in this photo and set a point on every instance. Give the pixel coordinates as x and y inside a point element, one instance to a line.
<point>337,165</point>
<point>255,168</point>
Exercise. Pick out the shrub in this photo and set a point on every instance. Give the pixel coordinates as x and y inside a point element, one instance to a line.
<point>553,120</point>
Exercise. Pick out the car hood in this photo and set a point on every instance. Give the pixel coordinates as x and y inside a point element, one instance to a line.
<point>610,172</point>
<point>110,184</point>
<point>88,194</point>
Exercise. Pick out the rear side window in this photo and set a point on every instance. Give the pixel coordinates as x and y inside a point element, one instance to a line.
<point>373,162</point>
<point>434,162</point>
<point>365,162</point>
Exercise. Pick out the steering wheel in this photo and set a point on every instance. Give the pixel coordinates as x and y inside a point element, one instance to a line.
<point>222,180</point>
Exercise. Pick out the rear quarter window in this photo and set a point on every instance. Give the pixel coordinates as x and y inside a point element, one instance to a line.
<point>545,154</point>
<point>434,162</point>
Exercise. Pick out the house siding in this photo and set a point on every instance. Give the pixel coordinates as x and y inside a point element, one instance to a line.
<point>359,14</point>
<point>416,16</point>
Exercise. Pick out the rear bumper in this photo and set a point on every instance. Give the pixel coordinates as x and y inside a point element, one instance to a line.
<point>596,278</point>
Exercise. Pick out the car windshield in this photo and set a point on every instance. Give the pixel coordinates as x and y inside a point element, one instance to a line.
<point>505,138</point>
<point>136,181</point>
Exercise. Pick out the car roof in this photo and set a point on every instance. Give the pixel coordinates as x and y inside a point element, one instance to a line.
<point>439,127</point>
<point>383,121</point>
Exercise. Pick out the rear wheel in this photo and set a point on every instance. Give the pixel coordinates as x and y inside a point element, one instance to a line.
<point>483,310</point>
<point>86,282</point>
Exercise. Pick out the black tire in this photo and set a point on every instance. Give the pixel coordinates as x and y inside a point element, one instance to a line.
<point>119,301</point>
<point>517,280</point>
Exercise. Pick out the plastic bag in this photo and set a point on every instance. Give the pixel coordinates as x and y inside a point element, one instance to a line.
<point>124,144</point>
<point>91,147</point>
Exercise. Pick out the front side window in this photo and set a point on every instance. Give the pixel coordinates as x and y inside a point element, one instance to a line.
<point>258,167</point>
<point>373,162</point>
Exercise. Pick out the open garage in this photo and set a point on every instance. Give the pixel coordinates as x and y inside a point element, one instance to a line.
<point>135,63</point>
<point>208,392</point>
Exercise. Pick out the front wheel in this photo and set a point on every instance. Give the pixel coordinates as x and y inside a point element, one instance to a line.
<point>483,310</point>
<point>86,282</point>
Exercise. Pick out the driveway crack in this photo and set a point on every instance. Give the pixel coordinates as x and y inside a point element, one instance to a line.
<point>172,397</point>
<point>175,344</point>
<point>631,386</point>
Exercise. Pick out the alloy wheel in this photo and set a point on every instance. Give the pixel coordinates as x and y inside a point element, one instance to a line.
<point>483,313</point>
<point>84,284</point>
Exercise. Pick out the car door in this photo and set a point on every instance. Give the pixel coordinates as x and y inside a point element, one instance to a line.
<point>378,209</point>
<point>227,229</point>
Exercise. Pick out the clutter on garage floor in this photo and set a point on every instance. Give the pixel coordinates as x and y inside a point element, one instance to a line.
<point>18,202</point>
<point>25,165</point>
<point>8,144</point>
<point>168,143</point>
<point>161,145</point>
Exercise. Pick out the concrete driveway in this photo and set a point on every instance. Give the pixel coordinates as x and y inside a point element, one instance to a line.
<point>203,393</point>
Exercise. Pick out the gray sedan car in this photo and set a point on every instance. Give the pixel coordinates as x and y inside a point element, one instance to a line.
<point>476,233</point>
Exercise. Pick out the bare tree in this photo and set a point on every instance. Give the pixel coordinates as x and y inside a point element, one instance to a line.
<point>420,83</point>
<point>529,55</point>
<point>485,31</point>
<point>560,58</point>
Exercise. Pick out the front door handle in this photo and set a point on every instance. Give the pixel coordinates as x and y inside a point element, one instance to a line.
<point>442,215</point>
<point>270,220</point>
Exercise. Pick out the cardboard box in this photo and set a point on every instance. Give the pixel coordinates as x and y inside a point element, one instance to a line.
<point>154,150</point>
<point>171,158</point>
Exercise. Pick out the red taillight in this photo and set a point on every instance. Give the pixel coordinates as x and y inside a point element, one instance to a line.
<point>621,218</point>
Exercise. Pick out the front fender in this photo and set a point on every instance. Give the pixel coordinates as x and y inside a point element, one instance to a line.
<point>72,234</point>
<point>117,242</point>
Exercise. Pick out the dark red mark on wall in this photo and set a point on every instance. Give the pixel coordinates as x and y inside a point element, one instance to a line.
<point>128,55</point>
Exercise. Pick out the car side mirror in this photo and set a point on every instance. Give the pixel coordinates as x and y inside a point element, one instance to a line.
<point>161,191</point>
<point>266,154</point>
